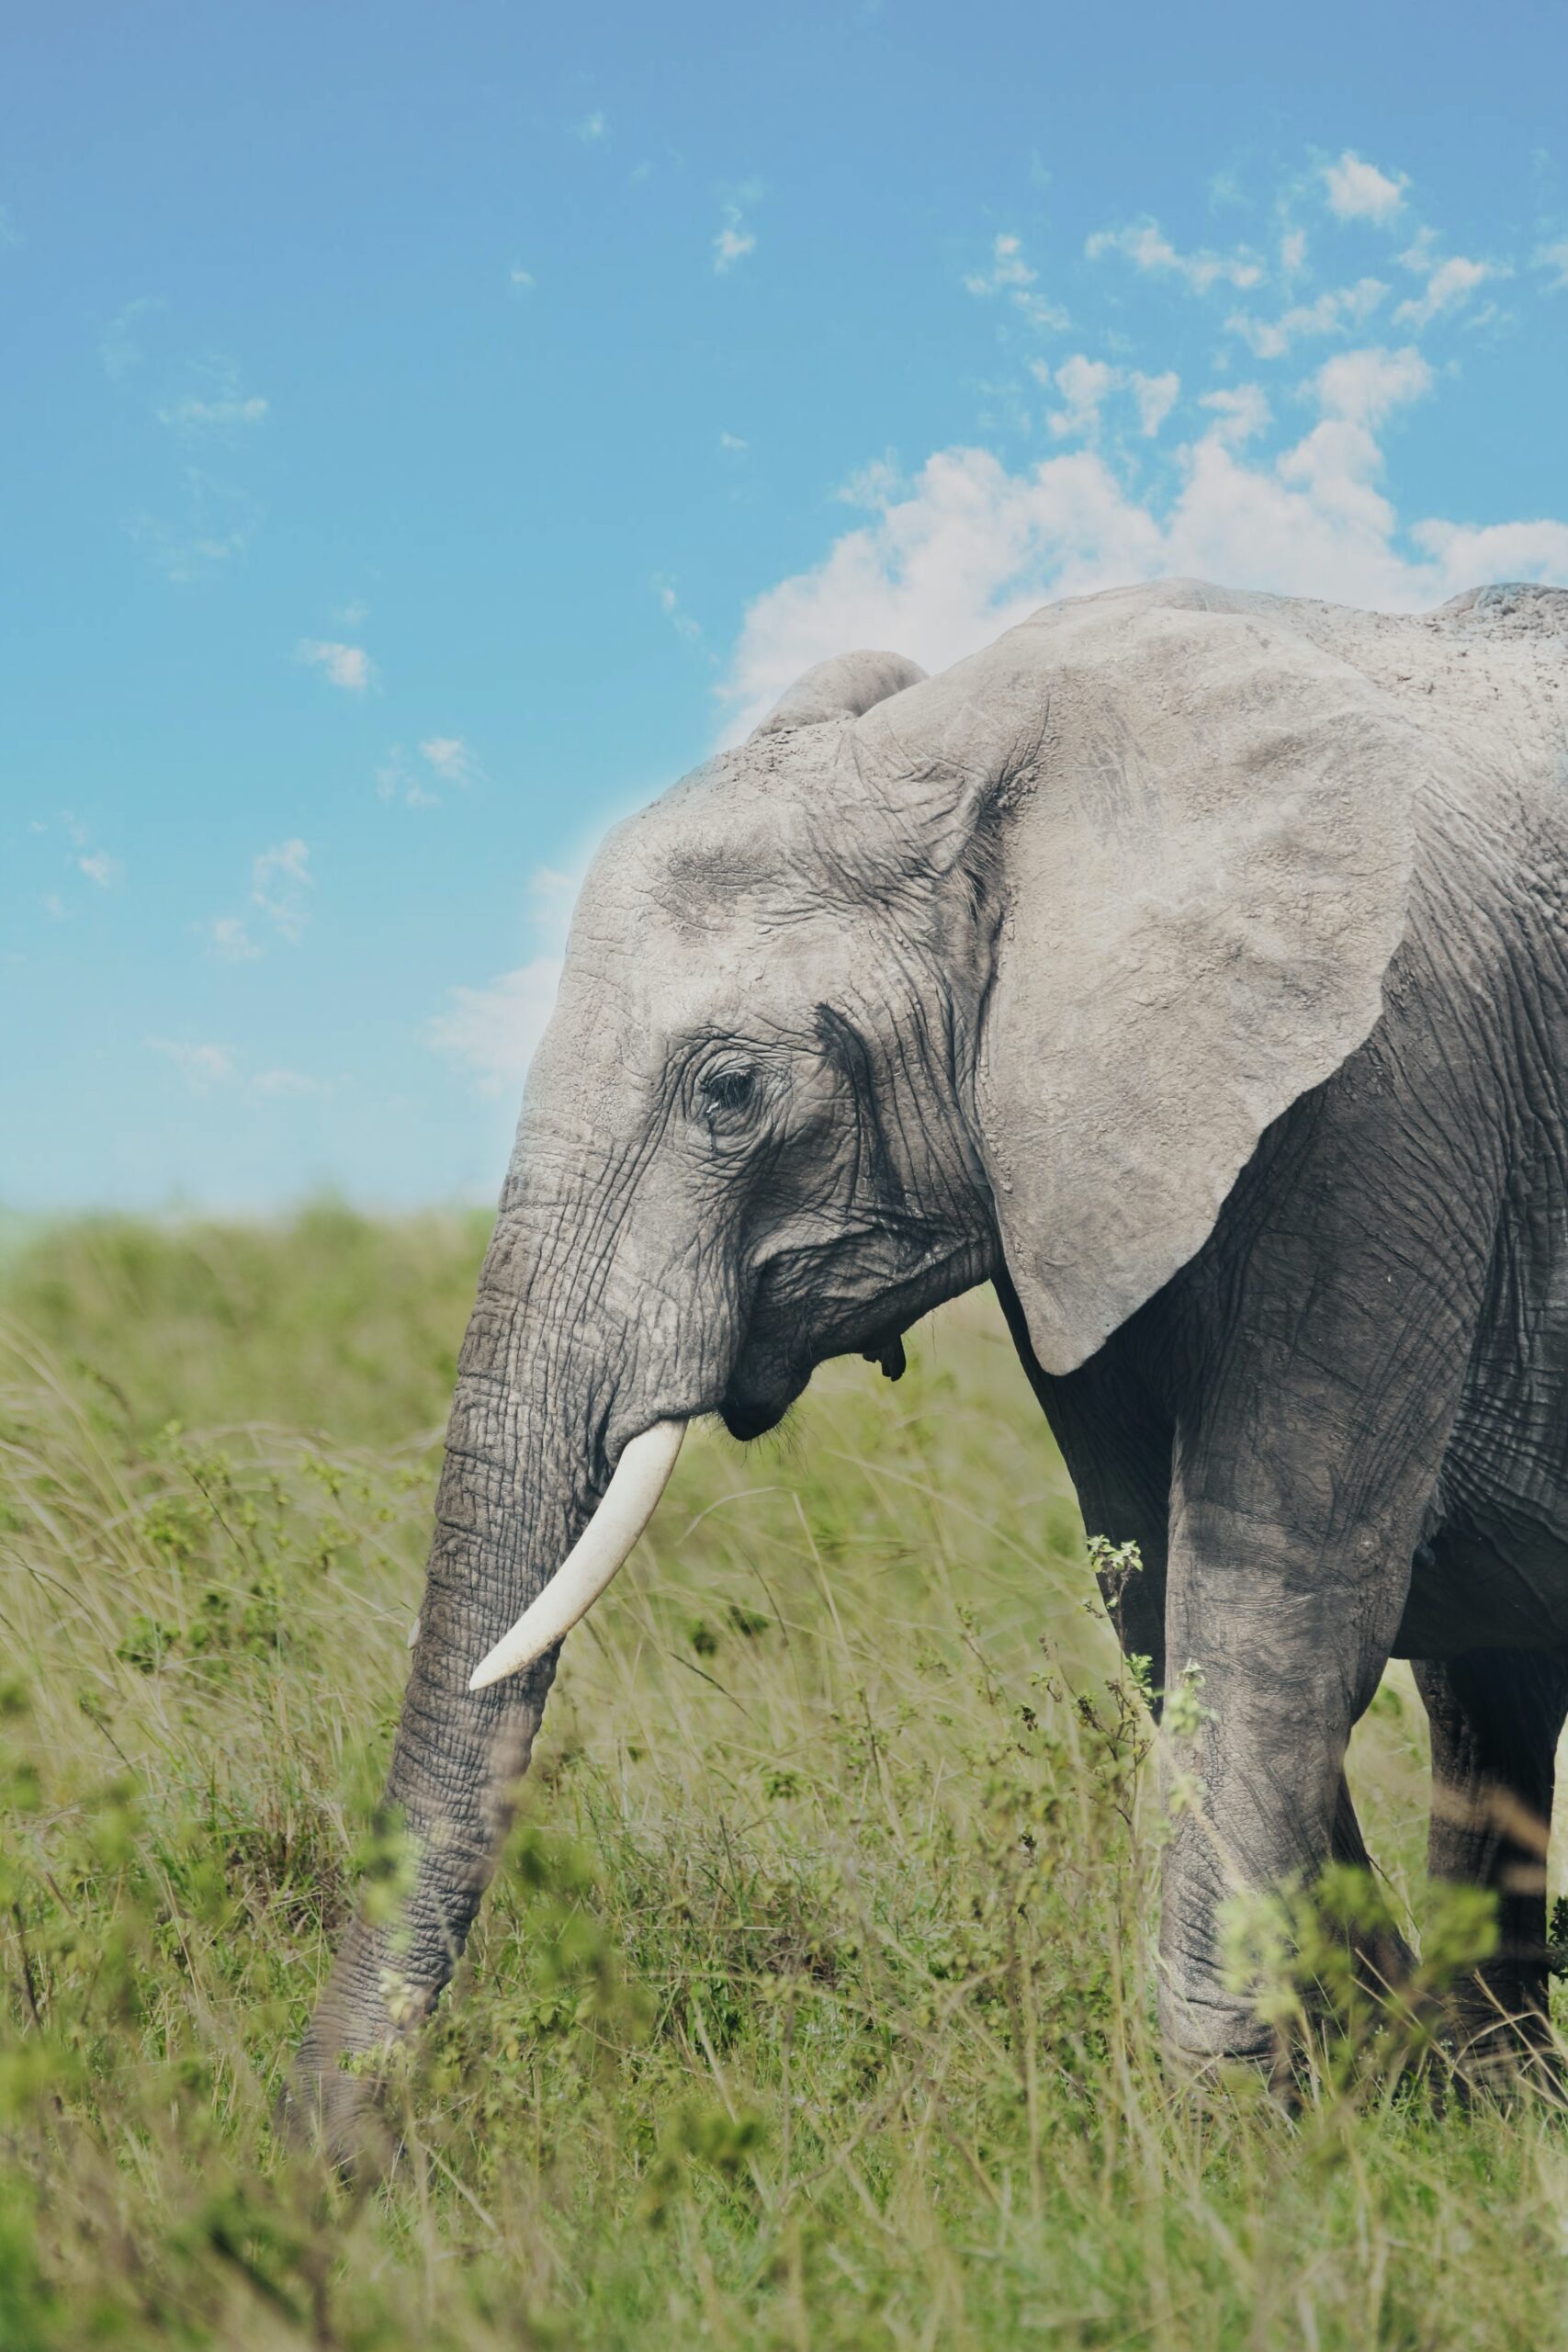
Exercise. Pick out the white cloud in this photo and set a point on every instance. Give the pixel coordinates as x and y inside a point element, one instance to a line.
<point>1155,395</point>
<point>1367,386</point>
<point>397,780</point>
<point>1359,191</point>
<point>1008,269</point>
<point>279,879</point>
<point>1241,411</point>
<point>732,442</point>
<point>1292,253</point>
<point>270,1085</point>
<point>1554,258</point>
<point>201,1067</point>
<point>1449,285</point>
<point>591,129</point>
<point>451,759</point>
<point>1147,247</point>
<point>1333,311</point>
<point>191,412</point>
<point>96,865</point>
<point>348,666</point>
<point>492,1032</point>
<point>875,483</point>
<point>665,588</point>
<point>522,281</point>
<point>228,939</point>
<point>1011,277</point>
<point>1083,384</point>
<point>734,241</point>
<point>970,548</point>
<point>1087,384</point>
<point>447,761</point>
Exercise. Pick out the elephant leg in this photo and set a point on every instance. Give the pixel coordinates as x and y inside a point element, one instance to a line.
<point>1115,1437</point>
<point>1275,1648</point>
<point>1496,1716</point>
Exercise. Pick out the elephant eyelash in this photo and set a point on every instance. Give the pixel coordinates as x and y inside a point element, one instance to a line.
<point>728,1093</point>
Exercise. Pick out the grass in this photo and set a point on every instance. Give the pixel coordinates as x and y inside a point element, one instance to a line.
<point>812,2007</point>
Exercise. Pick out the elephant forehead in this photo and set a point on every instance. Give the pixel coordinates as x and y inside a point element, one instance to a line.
<point>640,984</point>
<point>744,835</point>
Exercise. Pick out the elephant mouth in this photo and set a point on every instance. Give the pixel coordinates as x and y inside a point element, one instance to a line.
<point>751,1416</point>
<point>771,1374</point>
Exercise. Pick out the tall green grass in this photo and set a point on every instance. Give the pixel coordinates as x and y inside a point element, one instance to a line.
<point>813,2003</point>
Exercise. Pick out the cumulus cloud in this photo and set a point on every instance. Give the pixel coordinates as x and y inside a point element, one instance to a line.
<point>1555,259</point>
<point>734,241</point>
<point>669,603</point>
<point>1011,276</point>
<point>1241,411</point>
<point>1333,311</point>
<point>201,1067</point>
<point>95,865</point>
<point>347,666</point>
<point>1155,397</point>
<point>193,413</point>
<point>970,546</point>
<point>270,1085</point>
<point>281,877</point>
<point>1087,384</point>
<point>451,759</point>
<point>1449,285</point>
<point>1083,384</point>
<point>229,940</point>
<point>591,129</point>
<point>1147,247</point>
<point>441,764</point>
<point>491,1033</point>
<point>206,1068</point>
<point>1367,386</point>
<point>1359,191</point>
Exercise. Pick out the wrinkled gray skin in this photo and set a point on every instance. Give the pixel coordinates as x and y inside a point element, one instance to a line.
<point>1193,966</point>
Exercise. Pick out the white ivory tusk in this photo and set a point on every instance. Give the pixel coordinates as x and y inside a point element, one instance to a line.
<point>629,1502</point>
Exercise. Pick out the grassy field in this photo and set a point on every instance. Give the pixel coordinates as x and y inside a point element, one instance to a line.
<point>812,2007</point>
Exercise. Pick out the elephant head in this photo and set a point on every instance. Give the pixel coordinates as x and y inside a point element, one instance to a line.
<point>1009,965</point>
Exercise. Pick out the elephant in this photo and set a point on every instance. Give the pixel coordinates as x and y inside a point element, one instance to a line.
<point>1192,966</point>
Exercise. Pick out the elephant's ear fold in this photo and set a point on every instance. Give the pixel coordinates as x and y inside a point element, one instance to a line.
<point>1205,866</point>
<point>845,687</point>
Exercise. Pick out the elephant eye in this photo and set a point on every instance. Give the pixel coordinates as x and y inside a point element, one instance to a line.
<point>726,1092</point>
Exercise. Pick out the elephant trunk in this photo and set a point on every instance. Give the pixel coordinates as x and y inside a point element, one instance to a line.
<point>525,1467</point>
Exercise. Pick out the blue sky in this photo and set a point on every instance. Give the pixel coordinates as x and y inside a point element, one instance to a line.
<point>430,429</point>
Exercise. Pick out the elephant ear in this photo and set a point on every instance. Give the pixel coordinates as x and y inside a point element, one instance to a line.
<point>1203,827</point>
<point>845,687</point>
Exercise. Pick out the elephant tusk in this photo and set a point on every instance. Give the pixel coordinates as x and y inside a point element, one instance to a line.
<point>629,1502</point>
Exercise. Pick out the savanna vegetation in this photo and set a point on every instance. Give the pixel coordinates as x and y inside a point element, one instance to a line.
<point>813,2003</point>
